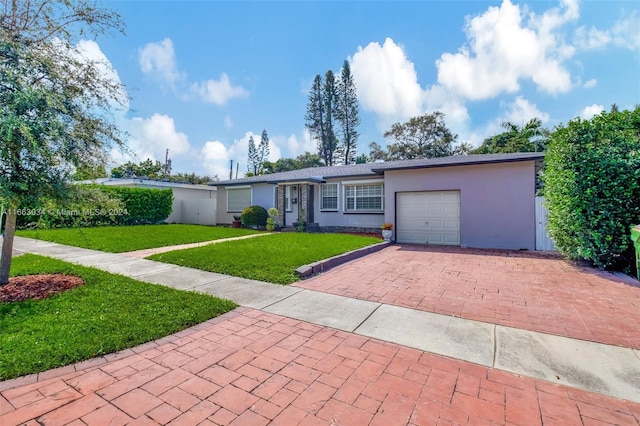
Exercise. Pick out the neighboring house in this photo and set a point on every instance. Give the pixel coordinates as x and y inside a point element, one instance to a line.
<point>192,203</point>
<point>484,201</point>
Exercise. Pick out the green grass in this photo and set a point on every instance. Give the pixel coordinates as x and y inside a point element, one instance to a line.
<point>272,258</point>
<point>107,314</point>
<point>120,239</point>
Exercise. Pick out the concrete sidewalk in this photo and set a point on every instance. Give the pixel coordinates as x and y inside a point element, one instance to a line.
<point>595,367</point>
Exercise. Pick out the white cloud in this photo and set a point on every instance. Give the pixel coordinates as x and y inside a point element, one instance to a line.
<point>590,83</point>
<point>504,49</point>
<point>625,33</point>
<point>216,156</point>
<point>90,52</point>
<point>159,59</point>
<point>228,123</point>
<point>297,146</point>
<point>150,138</point>
<point>386,81</point>
<point>521,110</point>
<point>589,111</point>
<point>218,91</point>
<point>518,112</point>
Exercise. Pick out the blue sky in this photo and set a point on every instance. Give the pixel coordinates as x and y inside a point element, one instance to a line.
<point>203,76</point>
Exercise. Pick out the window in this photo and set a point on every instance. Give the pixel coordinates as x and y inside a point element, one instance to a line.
<point>364,197</point>
<point>287,198</point>
<point>238,199</point>
<point>329,196</point>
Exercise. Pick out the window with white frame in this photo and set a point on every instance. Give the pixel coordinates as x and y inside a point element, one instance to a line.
<point>238,199</point>
<point>287,198</point>
<point>329,196</point>
<point>364,197</point>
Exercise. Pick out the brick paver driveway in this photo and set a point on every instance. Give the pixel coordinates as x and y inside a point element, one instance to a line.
<point>532,291</point>
<point>248,367</point>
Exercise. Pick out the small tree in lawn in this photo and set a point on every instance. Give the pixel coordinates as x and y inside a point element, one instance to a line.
<point>55,104</point>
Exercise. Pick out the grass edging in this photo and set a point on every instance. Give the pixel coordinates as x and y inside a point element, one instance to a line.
<point>306,271</point>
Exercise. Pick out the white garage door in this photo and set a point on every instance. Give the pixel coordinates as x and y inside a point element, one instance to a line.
<point>428,217</point>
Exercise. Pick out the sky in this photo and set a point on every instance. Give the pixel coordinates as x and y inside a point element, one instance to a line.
<point>203,76</point>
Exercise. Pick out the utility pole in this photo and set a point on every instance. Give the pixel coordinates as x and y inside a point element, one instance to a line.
<point>231,169</point>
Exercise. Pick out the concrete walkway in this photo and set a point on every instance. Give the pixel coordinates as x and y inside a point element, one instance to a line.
<point>288,322</point>
<point>141,254</point>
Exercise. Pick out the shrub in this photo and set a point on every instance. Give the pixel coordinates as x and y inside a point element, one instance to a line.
<point>144,206</point>
<point>272,221</point>
<point>592,188</point>
<point>97,205</point>
<point>254,216</point>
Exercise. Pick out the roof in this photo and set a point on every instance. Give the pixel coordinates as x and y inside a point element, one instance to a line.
<point>320,174</point>
<point>146,182</point>
<point>457,160</point>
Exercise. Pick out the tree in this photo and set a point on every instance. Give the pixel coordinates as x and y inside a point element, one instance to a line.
<point>377,153</point>
<point>90,172</point>
<point>146,168</point>
<point>192,178</point>
<point>529,138</point>
<point>320,114</point>
<point>303,161</point>
<point>592,188</point>
<point>346,112</point>
<point>328,151</point>
<point>55,104</point>
<point>315,116</point>
<point>263,150</point>
<point>252,157</point>
<point>425,136</point>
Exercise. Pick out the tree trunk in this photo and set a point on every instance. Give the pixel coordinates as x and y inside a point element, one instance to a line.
<point>7,243</point>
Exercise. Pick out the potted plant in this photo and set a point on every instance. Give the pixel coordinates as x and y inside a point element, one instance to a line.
<point>237,221</point>
<point>386,231</point>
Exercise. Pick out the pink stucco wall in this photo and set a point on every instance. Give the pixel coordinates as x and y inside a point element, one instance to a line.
<point>497,201</point>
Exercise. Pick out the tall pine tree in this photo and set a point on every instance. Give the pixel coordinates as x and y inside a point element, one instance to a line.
<point>329,151</point>
<point>315,116</point>
<point>263,151</point>
<point>252,157</point>
<point>346,113</point>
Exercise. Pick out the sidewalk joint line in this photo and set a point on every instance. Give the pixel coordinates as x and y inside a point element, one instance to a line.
<point>285,298</point>
<point>368,316</point>
<point>495,345</point>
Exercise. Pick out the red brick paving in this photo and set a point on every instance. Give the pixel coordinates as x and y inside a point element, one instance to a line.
<point>527,290</point>
<point>304,374</point>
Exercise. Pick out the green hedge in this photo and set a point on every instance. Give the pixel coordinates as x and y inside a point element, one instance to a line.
<point>592,188</point>
<point>143,205</point>
<point>97,205</point>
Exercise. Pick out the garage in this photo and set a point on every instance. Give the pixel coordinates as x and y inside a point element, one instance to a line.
<point>428,217</point>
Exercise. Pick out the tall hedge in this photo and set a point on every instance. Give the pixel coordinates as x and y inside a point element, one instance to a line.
<point>143,205</point>
<point>96,205</point>
<point>592,188</point>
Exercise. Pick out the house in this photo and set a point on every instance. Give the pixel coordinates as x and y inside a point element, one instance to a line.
<point>483,201</point>
<point>192,203</point>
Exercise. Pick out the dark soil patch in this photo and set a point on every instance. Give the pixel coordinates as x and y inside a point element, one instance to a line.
<point>37,287</point>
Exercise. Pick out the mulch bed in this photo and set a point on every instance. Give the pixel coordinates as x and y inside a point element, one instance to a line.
<point>37,287</point>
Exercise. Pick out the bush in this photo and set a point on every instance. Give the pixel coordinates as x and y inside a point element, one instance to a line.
<point>592,188</point>
<point>272,221</point>
<point>97,205</point>
<point>254,216</point>
<point>144,205</point>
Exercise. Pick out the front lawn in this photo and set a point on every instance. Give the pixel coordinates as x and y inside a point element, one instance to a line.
<point>120,239</point>
<point>272,258</point>
<point>107,314</point>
